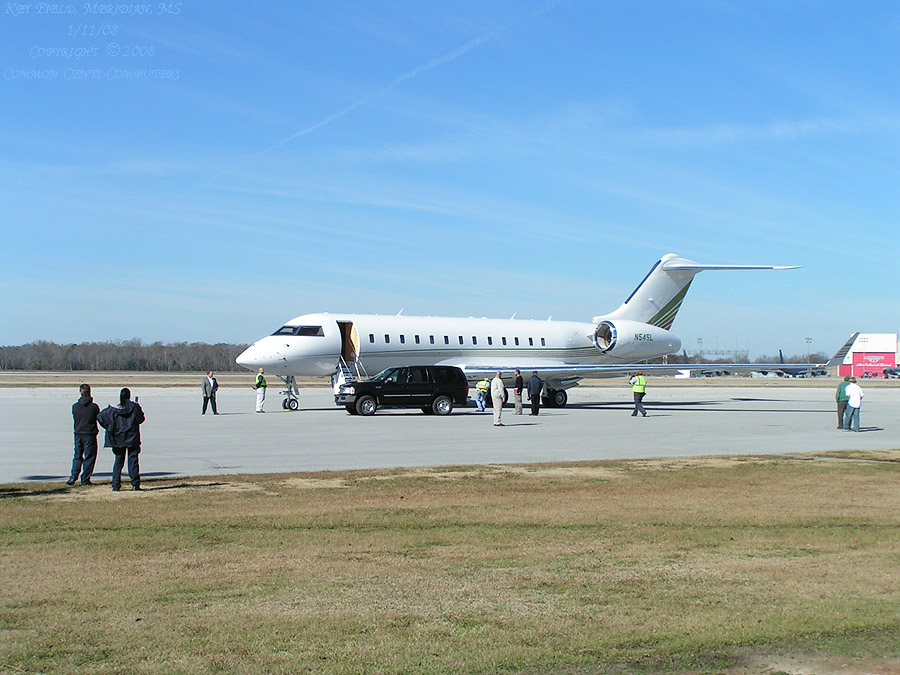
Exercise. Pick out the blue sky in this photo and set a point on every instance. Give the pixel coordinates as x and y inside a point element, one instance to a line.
<point>209,171</point>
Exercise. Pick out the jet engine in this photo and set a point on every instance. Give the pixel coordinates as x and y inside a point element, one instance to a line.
<point>633,340</point>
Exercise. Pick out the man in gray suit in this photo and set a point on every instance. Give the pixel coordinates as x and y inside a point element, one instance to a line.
<point>210,387</point>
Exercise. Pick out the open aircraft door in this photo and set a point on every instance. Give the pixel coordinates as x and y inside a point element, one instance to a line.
<point>349,341</point>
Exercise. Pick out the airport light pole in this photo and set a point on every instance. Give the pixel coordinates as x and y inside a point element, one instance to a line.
<point>808,342</point>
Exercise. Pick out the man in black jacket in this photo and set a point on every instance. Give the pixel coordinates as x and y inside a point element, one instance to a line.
<point>534,392</point>
<point>123,434</point>
<point>84,413</point>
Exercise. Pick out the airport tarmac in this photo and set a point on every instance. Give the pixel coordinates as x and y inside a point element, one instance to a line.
<point>36,430</point>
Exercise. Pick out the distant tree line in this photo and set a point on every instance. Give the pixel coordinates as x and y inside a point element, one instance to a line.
<point>121,356</point>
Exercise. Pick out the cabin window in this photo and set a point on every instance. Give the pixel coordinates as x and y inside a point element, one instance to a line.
<point>431,339</point>
<point>460,339</point>
<point>446,339</point>
<point>387,339</point>
<point>402,339</point>
<point>543,342</point>
<point>417,339</point>
<point>531,342</point>
<point>503,341</point>
<point>516,341</point>
<point>372,338</point>
<point>474,340</point>
<point>490,340</point>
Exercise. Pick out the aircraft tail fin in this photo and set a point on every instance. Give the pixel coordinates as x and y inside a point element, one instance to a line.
<point>658,297</point>
<point>839,355</point>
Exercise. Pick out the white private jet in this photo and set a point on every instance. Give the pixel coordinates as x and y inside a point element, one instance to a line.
<point>562,352</point>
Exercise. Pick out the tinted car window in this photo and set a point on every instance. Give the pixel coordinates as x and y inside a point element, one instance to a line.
<point>444,375</point>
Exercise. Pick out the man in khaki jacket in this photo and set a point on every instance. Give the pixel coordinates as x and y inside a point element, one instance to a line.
<point>498,396</point>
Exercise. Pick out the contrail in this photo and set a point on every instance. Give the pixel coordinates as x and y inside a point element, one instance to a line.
<point>405,77</point>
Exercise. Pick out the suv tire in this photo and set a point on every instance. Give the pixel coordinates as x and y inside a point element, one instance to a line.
<point>442,405</point>
<point>366,406</point>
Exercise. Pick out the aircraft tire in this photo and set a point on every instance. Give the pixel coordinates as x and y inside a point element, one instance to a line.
<point>366,406</point>
<point>442,405</point>
<point>284,404</point>
<point>293,404</point>
<point>560,398</point>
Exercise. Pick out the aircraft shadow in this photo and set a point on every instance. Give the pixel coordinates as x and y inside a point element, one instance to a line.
<point>96,474</point>
<point>11,492</point>
<point>698,406</point>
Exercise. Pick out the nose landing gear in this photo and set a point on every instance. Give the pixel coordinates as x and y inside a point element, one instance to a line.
<point>291,392</point>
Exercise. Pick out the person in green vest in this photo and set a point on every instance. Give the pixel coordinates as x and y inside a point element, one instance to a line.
<point>638,387</point>
<point>260,387</point>
<point>481,390</point>
<point>841,397</point>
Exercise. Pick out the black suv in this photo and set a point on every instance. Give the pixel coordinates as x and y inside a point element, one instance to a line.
<point>434,389</point>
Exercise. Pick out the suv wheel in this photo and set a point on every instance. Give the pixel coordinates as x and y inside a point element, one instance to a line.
<point>442,405</point>
<point>366,406</point>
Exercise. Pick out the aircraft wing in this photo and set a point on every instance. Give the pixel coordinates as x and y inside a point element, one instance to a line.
<point>570,374</point>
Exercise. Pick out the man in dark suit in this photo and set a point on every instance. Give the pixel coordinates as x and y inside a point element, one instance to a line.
<point>210,387</point>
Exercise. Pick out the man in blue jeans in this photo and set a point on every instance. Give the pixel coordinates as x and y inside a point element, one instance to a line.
<point>123,435</point>
<point>84,413</point>
<point>854,403</point>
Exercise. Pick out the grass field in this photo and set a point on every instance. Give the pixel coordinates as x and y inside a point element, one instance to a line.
<point>722,565</point>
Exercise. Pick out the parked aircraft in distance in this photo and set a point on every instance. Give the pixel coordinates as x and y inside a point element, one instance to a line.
<point>800,369</point>
<point>562,352</point>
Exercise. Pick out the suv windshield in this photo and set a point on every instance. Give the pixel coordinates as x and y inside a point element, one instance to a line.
<point>385,374</point>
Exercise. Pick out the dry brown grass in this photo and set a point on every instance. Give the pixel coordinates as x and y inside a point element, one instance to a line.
<point>684,565</point>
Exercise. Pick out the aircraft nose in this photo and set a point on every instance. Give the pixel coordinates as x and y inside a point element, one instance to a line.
<point>249,358</point>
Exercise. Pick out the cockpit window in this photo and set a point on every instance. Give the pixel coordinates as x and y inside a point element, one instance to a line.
<point>300,330</point>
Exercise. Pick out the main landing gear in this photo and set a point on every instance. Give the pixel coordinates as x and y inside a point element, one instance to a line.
<point>555,398</point>
<point>291,392</point>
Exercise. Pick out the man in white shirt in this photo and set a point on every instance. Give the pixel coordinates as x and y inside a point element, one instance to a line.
<point>854,403</point>
<point>498,397</point>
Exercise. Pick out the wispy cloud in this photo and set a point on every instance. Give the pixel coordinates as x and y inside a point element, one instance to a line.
<point>777,130</point>
<point>405,77</point>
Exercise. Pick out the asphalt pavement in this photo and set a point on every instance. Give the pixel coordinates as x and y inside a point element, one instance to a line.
<point>36,430</point>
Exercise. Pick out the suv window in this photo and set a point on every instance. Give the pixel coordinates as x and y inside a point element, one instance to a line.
<point>444,375</point>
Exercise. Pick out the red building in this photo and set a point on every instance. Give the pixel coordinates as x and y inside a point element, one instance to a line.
<point>870,354</point>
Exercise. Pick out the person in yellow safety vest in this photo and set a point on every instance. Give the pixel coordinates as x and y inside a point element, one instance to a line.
<point>481,389</point>
<point>638,387</point>
<point>260,387</point>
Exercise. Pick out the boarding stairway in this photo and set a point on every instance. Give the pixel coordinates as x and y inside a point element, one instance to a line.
<point>348,371</point>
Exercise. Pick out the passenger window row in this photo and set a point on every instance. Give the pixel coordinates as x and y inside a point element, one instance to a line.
<point>431,340</point>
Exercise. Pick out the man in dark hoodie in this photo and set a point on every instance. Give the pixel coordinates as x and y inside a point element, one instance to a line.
<point>84,412</point>
<point>123,435</point>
